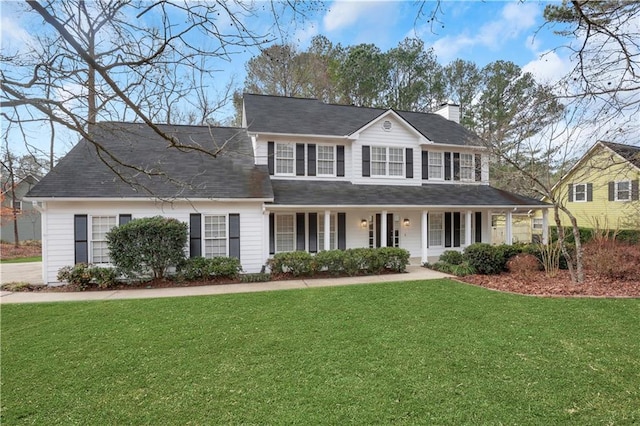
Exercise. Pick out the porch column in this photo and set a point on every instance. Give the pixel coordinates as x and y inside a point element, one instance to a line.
<point>327,229</point>
<point>488,236</point>
<point>383,229</point>
<point>424,240</point>
<point>509,231</point>
<point>545,226</point>
<point>467,228</point>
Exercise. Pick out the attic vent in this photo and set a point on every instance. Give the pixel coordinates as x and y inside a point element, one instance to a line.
<point>386,125</point>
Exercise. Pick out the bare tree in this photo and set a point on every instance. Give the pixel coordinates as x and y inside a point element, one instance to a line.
<point>125,60</point>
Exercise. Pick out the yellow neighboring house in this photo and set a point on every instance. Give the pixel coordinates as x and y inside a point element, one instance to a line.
<point>601,189</point>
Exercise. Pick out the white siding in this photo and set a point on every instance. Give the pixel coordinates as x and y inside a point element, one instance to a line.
<point>60,216</point>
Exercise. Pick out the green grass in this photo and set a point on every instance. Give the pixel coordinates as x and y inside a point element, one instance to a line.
<point>431,352</point>
<point>22,259</point>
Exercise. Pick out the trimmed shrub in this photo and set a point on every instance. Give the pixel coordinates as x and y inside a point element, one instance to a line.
<point>330,261</point>
<point>452,257</point>
<point>395,259</point>
<point>200,268</point>
<point>148,246</point>
<point>296,263</point>
<point>485,258</point>
<point>523,264</point>
<point>104,277</point>
<point>194,269</point>
<point>79,274</point>
<point>225,267</point>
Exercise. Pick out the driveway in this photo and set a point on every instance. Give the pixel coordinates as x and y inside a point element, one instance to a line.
<point>30,272</point>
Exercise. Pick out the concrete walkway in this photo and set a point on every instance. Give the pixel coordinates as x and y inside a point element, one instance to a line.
<point>20,272</point>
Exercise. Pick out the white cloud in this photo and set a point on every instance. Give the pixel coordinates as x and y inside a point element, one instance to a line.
<point>514,19</point>
<point>366,21</point>
<point>13,34</point>
<point>548,68</point>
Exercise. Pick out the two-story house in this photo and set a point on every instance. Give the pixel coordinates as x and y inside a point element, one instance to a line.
<point>298,175</point>
<point>601,189</point>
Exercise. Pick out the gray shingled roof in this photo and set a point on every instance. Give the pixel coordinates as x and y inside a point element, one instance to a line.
<point>176,173</point>
<point>276,114</point>
<point>629,152</point>
<point>315,193</point>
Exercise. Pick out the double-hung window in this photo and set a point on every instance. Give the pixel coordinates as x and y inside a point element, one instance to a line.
<point>580,192</point>
<point>386,161</point>
<point>436,162</point>
<point>467,169</point>
<point>100,225</point>
<point>285,233</point>
<point>436,229</point>
<point>326,160</point>
<point>215,236</point>
<point>285,158</point>
<point>332,232</point>
<point>623,190</point>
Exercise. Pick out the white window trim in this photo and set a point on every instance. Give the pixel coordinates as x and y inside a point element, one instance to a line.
<point>429,165</point>
<point>16,205</point>
<point>205,238</point>
<point>441,230</point>
<point>277,159</point>
<point>387,163</point>
<point>538,223</point>
<point>276,232</point>
<point>575,186</point>
<point>334,162</point>
<point>92,241</point>
<point>616,190</point>
<point>471,167</point>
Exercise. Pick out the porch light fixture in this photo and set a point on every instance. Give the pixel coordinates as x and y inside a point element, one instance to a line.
<point>407,222</point>
<point>364,224</point>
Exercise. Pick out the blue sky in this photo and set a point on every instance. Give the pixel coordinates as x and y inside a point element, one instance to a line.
<point>481,32</point>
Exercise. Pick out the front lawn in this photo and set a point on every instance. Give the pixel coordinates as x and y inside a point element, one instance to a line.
<point>431,352</point>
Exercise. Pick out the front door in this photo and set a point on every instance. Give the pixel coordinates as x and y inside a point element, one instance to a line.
<point>393,230</point>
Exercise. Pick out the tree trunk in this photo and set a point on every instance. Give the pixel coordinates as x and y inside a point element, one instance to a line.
<point>561,242</point>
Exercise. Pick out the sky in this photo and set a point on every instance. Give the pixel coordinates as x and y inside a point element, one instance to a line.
<point>478,31</point>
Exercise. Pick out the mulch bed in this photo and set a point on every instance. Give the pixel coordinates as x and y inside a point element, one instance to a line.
<point>538,283</point>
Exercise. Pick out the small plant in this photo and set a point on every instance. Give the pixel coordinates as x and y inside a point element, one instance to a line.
<point>452,257</point>
<point>18,286</point>
<point>523,265</point>
<point>296,263</point>
<point>103,277</point>
<point>259,277</point>
<point>79,274</point>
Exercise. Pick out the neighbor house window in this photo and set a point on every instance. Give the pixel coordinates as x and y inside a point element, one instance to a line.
<point>467,168</point>
<point>285,158</point>
<point>285,232</point>
<point>332,232</point>
<point>17,205</point>
<point>436,160</point>
<point>580,192</point>
<point>215,236</point>
<point>326,160</point>
<point>100,225</point>
<point>387,161</point>
<point>623,190</point>
<point>436,229</point>
<point>537,223</point>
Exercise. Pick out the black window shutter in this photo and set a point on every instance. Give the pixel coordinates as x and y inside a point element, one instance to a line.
<point>456,166</point>
<point>378,227</point>
<point>447,229</point>
<point>342,231</point>
<point>447,166</point>
<point>272,233</point>
<point>589,192</point>
<point>634,190</point>
<point>300,231</point>
<point>299,159</point>
<point>390,230</point>
<point>366,161</point>
<point>123,219</point>
<point>271,159</point>
<point>612,191</point>
<point>478,227</point>
<point>425,165</point>
<point>409,162</point>
<point>456,229</point>
<point>478,165</point>
<point>234,235</point>
<point>81,246</point>
<point>313,232</point>
<point>311,159</point>
<point>195,235</point>
<point>340,163</point>
<point>570,192</point>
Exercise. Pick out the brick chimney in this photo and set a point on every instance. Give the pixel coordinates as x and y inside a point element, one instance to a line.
<point>450,111</point>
